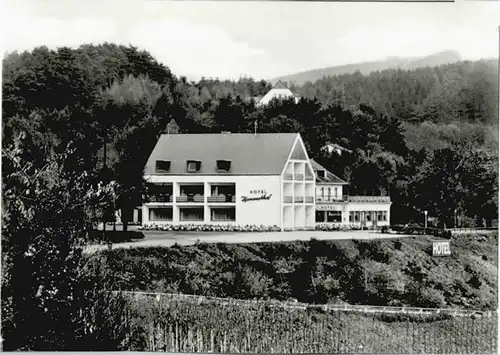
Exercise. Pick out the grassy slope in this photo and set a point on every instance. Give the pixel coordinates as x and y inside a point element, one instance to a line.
<point>383,272</point>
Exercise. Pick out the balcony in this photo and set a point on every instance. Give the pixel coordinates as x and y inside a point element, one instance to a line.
<point>383,199</point>
<point>288,177</point>
<point>330,199</point>
<point>222,199</point>
<point>190,198</point>
<point>299,199</point>
<point>160,198</point>
<point>159,192</point>
<point>287,199</point>
<point>309,199</point>
<point>299,177</point>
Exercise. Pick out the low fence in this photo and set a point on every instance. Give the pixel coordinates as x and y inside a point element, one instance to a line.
<point>179,323</point>
<point>473,230</point>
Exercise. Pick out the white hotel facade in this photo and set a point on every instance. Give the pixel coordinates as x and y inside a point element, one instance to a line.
<point>335,208</point>
<point>263,179</point>
<point>242,179</point>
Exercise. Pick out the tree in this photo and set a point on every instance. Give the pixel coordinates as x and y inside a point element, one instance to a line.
<point>48,213</point>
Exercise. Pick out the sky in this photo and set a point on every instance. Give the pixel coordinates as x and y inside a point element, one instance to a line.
<point>229,39</point>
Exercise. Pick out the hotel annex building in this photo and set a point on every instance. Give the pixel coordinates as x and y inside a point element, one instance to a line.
<point>264,179</point>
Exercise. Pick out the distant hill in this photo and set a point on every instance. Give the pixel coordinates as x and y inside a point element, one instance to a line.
<point>441,58</point>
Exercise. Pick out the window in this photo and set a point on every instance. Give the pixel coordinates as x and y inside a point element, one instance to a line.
<point>368,216</point>
<point>322,173</point>
<point>320,216</point>
<point>191,214</point>
<point>379,216</point>
<point>162,165</point>
<point>193,166</point>
<point>223,214</point>
<point>334,216</point>
<point>223,165</point>
<point>356,216</point>
<point>384,215</point>
<point>351,216</point>
<point>160,214</point>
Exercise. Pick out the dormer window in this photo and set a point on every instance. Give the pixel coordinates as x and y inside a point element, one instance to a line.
<point>193,166</point>
<point>322,173</point>
<point>162,166</point>
<point>223,165</point>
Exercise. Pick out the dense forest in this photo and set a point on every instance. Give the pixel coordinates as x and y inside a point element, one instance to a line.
<point>407,128</point>
<point>433,60</point>
<point>79,125</point>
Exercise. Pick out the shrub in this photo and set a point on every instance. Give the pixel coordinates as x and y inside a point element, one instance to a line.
<point>474,281</point>
<point>251,283</point>
<point>382,283</point>
<point>430,298</point>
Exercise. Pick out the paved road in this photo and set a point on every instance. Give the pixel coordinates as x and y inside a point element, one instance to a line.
<point>167,239</point>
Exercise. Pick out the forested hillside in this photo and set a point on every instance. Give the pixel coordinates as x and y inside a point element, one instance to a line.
<point>79,125</point>
<point>366,68</point>
<point>424,136</point>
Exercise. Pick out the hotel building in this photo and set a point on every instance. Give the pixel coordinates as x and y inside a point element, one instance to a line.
<point>334,208</point>
<point>242,179</point>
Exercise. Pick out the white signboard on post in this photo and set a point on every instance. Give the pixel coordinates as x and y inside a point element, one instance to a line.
<point>441,248</point>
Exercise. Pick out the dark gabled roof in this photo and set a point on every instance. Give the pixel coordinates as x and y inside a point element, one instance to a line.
<point>280,85</point>
<point>250,154</point>
<point>330,177</point>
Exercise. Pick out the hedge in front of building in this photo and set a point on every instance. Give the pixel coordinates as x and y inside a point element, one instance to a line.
<point>209,228</point>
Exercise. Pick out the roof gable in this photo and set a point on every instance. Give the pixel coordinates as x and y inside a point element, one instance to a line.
<point>330,177</point>
<point>280,85</point>
<point>249,154</point>
<point>278,91</point>
<point>298,152</point>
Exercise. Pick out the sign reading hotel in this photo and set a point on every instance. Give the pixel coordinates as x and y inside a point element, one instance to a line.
<point>441,248</point>
<point>328,208</point>
<point>256,195</point>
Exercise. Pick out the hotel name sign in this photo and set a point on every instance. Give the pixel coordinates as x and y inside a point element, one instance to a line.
<point>441,248</point>
<point>256,195</point>
<point>328,208</point>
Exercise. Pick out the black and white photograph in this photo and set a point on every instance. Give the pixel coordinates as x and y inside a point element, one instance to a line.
<point>250,176</point>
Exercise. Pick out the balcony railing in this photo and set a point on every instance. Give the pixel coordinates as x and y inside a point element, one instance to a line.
<point>221,198</point>
<point>160,198</point>
<point>190,198</point>
<point>288,199</point>
<point>288,176</point>
<point>299,177</point>
<point>299,199</point>
<point>309,177</point>
<point>309,199</point>
<point>330,199</point>
<point>368,198</point>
